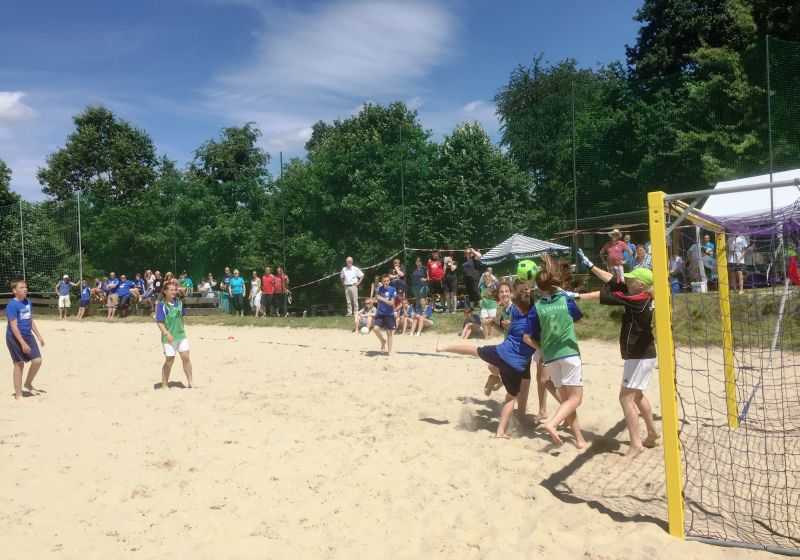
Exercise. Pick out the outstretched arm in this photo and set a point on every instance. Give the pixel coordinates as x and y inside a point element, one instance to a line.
<point>603,275</point>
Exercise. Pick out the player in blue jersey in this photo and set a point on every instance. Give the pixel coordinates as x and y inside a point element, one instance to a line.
<point>86,298</point>
<point>20,338</point>
<point>124,294</point>
<point>385,322</point>
<point>510,360</point>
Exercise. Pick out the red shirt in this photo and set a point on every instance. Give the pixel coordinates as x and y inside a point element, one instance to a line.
<point>268,284</point>
<point>278,282</point>
<point>616,251</point>
<point>435,270</point>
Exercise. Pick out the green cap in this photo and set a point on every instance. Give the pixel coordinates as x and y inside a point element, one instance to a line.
<point>643,275</point>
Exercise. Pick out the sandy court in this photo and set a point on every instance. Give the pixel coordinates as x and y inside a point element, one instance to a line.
<point>305,444</point>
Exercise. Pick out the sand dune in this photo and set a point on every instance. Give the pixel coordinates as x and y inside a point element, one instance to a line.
<point>305,444</point>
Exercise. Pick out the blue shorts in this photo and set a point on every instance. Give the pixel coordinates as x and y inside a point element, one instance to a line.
<point>17,355</point>
<point>512,378</point>
<point>84,303</point>
<point>385,322</point>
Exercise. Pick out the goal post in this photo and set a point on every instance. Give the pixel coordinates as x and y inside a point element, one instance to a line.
<point>729,365</point>
<point>666,363</point>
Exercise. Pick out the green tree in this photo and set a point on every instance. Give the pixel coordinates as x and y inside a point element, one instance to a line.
<point>479,195</point>
<point>104,157</point>
<point>7,196</point>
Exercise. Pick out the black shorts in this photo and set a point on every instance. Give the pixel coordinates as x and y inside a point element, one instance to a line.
<point>84,303</point>
<point>238,301</point>
<point>385,322</point>
<point>736,267</point>
<point>512,378</point>
<point>435,287</point>
<point>451,283</point>
<point>266,302</point>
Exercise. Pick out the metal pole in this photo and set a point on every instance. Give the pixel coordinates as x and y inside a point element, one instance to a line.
<point>403,189</point>
<point>80,245</point>
<point>728,190</point>
<point>769,133</point>
<point>574,176</point>
<point>283,218</point>
<point>22,242</point>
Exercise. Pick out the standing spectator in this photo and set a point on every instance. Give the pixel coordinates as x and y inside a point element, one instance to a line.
<point>643,260</point>
<point>267,291</point>
<point>419,281</point>
<point>62,289</point>
<point>737,249</point>
<point>280,299</point>
<point>488,305</point>
<point>205,288</point>
<point>435,269</point>
<point>255,294</point>
<point>614,251</point>
<point>226,277</point>
<point>677,270</point>
<point>351,277</point>
<point>397,277</point>
<point>709,256</point>
<point>236,291</point>
<point>224,297</point>
<point>124,294</point>
<point>86,297</point>
<point>472,275</point>
<point>630,253</point>
<point>450,284</point>
<point>112,299</point>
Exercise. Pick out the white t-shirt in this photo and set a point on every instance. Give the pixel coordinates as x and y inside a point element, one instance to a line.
<point>736,249</point>
<point>351,275</point>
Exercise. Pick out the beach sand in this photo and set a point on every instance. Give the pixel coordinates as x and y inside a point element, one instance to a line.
<point>307,444</point>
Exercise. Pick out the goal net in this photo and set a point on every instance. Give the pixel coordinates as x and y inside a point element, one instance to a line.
<point>40,244</point>
<point>730,369</point>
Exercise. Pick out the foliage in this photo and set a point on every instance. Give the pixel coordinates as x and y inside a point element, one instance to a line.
<point>105,157</point>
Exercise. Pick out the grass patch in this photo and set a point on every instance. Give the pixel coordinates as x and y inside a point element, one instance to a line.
<point>696,320</point>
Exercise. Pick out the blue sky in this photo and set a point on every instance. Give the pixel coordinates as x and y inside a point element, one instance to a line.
<point>183,69</point>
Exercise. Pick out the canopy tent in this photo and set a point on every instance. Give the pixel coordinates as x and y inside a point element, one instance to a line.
<point>756,212</point>
<point>748,203</point>
<point>520,246</point>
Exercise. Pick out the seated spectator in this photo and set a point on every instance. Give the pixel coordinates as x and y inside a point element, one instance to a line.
<point>124,295</point>
<point>406,316</point>
<point>365,316</point>
<point>424,316</point>
<point>472,323</point>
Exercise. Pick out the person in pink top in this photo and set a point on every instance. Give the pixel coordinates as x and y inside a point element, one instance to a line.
<point>267,291</point>
<point>614,252</point>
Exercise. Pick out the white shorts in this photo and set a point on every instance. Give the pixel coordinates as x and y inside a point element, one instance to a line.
<point>566,372</point>
<point>64,302</point>
<point>488,313</point>
<point>637,373</point>
<point>170,350</point>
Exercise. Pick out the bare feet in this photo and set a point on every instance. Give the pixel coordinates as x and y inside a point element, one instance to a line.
<point>551,431</point>
<point>491,384</point>
<point>502,436</point>
<point>634,451</point>
<point>581,443</point>
<point>651,441</point>
<point>383,347</point>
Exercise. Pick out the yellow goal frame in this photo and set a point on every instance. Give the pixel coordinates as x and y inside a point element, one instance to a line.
<point>659,209</point>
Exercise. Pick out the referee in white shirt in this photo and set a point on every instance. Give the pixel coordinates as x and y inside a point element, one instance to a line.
<point>351,278</point>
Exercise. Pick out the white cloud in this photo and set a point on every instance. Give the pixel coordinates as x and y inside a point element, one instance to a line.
<point>319,64</point>
<point>12,108</point>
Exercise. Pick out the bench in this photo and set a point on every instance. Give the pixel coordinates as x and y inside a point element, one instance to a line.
<point>40,300</point>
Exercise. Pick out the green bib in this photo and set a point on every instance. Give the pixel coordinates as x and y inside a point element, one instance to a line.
<point>173,321</point>
<point>558,339</point>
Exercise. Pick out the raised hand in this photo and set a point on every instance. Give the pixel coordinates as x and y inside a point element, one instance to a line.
<point>584,259</point>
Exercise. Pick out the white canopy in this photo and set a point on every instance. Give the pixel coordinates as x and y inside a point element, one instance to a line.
<point>520,246</point>
<point>751,202</point>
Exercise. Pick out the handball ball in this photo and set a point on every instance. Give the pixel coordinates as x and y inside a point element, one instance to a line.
<point>364,330</point>
<point>527,269</point>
